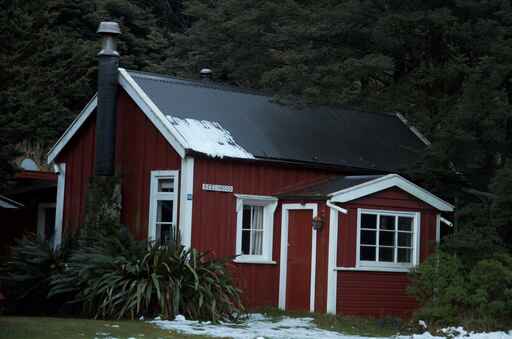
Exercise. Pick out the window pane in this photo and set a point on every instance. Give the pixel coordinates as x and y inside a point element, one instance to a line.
<point>257,242</point>
<point>246,217</point>
<point>405,223</point>
<point>368,237</point>
<point>164,211</point>
<point>386,254</point>
<point>404,239</point>
<point>404,255</point>
<point>257,217</point>
<point>386,238</point>
<point>246,242</point>
<point>368,221</point>
<point>367,253</point>
<point>163,233</point>
<point>166,185</point>
<point>387,222</point>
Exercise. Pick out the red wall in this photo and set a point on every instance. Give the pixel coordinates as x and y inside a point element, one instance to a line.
<point>140,148</point>
<point>79,158</point>
<point>378,293</point>
<point>214,217</point>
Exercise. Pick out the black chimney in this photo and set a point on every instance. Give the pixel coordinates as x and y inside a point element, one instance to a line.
<point>108,62</point>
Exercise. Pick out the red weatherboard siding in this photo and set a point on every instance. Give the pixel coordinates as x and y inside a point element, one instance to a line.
<point>378,293</point>
<point>140,148</point>
<point>79,156</point>
<point>374,294</point>
<point>214,216</point>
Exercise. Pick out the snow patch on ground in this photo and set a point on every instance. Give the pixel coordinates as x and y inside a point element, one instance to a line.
<point>260,326</point>
<point>208,137</point>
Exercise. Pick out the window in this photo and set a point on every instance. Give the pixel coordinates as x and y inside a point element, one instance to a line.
<point>163,206</point>
<point>46,222</point>
<point>387,239</point>
<point>255,219</point>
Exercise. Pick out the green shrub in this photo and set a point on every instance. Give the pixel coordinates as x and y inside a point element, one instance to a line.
<point>27,273</point>
<point>451,294</point>
<point>117,277</point>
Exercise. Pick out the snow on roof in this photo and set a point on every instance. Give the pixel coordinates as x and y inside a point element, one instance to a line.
<point>208,137</point>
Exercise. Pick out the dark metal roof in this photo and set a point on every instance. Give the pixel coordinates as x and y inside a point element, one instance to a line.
<point>318,134</point>
<point>322,189</point>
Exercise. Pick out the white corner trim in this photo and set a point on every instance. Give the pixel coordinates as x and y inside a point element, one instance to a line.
<point>413,129</point>
<point>332,260</point>
<point>153,113</point>
<point>59,208</point>
<point>332,275</point>
<point>438,228</point>
<point>155,196</point>
<point>283,264</point>
<point>242,260</point>
<point>373,269</point>
<point>385,182</point>
<point>72,129</point>
<point>186,204</point>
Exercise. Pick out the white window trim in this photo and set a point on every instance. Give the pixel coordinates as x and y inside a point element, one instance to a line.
<point>41,218</point>
<point>269,207</point>
<point>382,266</point>
<point>154,196</point>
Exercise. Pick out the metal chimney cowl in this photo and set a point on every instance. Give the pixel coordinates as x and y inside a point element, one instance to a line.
<point>108,63</point>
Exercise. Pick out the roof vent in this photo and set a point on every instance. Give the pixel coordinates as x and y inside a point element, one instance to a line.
<point>206,74</point>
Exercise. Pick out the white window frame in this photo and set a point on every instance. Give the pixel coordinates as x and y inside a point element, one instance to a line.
<point>387,266</point>
<point>41,218</point>
<point>155,196</point>
<point>269,205</point>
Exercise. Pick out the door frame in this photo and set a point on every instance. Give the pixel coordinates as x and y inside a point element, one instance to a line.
<point>283,262</point>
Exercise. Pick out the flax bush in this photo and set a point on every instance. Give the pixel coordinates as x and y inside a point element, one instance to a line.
<point>26,274</point>
<point>118,277</point>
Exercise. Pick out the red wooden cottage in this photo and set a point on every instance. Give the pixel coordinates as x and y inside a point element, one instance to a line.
<point>307,198</point>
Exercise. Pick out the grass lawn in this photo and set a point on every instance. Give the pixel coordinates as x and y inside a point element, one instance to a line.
<point>63,328</point>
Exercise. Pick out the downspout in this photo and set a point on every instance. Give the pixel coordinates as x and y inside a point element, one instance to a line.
<point>332,280</point>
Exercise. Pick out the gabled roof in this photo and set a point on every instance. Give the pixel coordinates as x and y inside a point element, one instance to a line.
<point>347,188</point>
<point>252,125</point>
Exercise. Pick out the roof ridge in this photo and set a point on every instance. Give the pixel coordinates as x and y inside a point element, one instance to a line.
<point>227,87</point>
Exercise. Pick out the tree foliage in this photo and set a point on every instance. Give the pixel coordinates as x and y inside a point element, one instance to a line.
<point>444,64</point>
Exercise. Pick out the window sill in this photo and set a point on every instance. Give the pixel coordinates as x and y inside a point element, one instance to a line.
<point>254,261</point>
<point>375,269</point>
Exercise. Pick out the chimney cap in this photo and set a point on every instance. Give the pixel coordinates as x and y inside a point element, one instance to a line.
<point>206,71</point>
<point>108,27</point>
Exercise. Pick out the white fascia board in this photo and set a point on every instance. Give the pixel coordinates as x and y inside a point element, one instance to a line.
<point>413,129</point>
<point>72,129</point>
<point>153,113</point>
<point>9,203</point>
<point>386,182</point>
